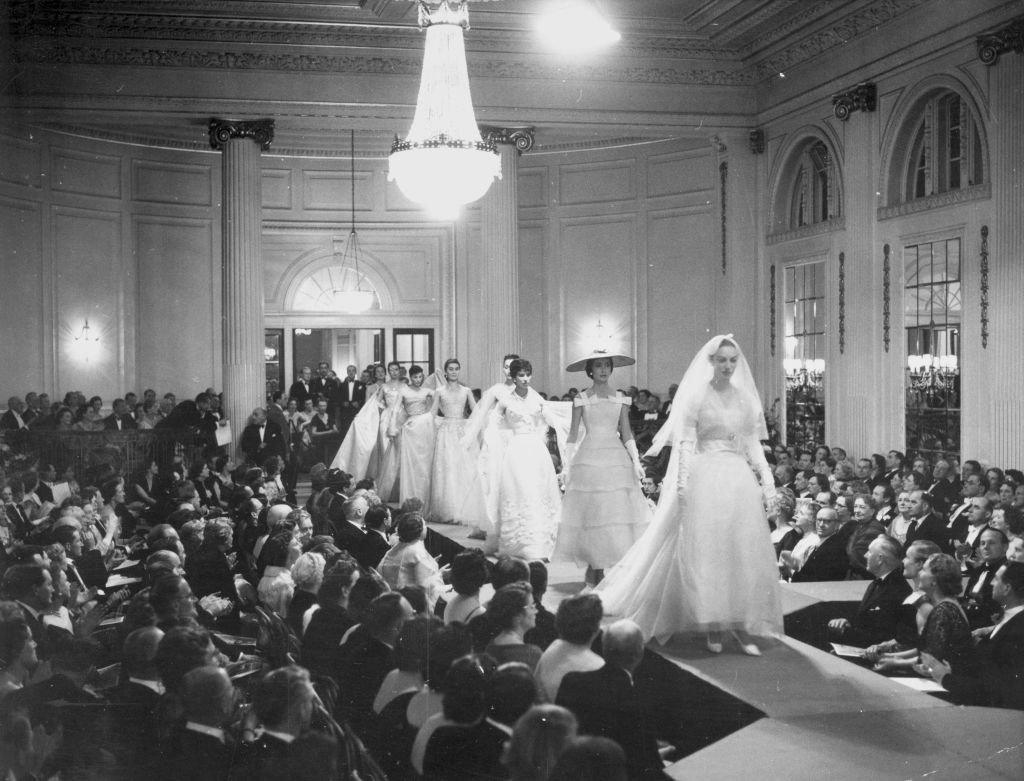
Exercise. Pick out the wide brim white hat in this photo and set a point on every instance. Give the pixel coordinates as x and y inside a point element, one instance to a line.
<point>617,360</point>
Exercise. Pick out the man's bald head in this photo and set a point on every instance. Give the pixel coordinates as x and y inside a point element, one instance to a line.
<point>623,645</point>
<point>276,514</point>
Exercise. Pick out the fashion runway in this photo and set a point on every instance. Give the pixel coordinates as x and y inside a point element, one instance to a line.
<point>823,717</point>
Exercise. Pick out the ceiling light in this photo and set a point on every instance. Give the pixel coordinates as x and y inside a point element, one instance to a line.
<point>575,27</point>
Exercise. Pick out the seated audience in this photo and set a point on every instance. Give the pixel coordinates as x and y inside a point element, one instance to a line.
<point>878,615</point>
<point>863,529</point>
<point>978,601</point>
<point>538,739</point>
<point>913,613</point>
<point>827,561</point>
<point>201,747</point>
<point>514,613</point>
<point>307,575</point>
<point>470,571</point>
<point>331,620</point>
<point>408,563</point>
<point>592,758</point>
<point>578,622</point>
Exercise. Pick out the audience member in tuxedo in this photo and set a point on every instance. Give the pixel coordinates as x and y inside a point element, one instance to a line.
<point>998,678</point>
<point>351,395</point>
<point>120,419</point>
<point>967,539</point>
<point>606,702</point>
<point>514,613</point>
<point>365,657</point>
<point>347,525</point>
<point>924,523</point>
<point>977,594</point>
<point>331,620</point>
<point>913,612</point>
<point>377,541</point>
<point>506,569</point>
<point>578,622</point>
<point>172,602</point>
<point>201,748</point>
<point>538,739</point>
<point>879,613</point>
<point>261,438</point>
<point>946,634</point>
<point>593,758</point>
<point>945,488</point>
<point>14,418</point>
<point>307,575</point>
<point>958,523</point>
<point>828,561</point>
<point>863,530</point>
<point>283,703</point>
<point>302,388</point>
<point>31,586</point>
<point>469,745</point>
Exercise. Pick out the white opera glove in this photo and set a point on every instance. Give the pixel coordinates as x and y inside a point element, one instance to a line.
<point>567,458</point>
<point>686,449</point>
<point>634,455</point>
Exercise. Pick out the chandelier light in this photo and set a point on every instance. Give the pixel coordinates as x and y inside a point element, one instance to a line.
<point>348,300</point>
<point>575,27</point>
<point>444,163</point>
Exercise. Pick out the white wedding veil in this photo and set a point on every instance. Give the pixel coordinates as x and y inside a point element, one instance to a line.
<point>694,385</point>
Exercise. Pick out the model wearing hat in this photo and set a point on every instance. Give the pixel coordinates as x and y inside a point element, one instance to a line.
<point>604,512</point>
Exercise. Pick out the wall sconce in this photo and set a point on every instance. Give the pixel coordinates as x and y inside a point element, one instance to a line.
<point>86,343</point>
<point>804,374</point>
<point>303,331</point>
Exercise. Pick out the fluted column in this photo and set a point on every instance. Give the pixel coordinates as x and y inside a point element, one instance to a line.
<point>242,311</point>
<point>1006,251</point>
<point>499,240</point>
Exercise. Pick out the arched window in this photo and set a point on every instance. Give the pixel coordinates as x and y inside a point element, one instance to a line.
<point>945,151</point>
<point>332,288</point>
<point>814,197</point>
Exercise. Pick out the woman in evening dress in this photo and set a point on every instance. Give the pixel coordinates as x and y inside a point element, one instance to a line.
<point>455,490</point>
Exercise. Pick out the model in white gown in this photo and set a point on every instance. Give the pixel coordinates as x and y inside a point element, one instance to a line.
<point>359,454</point>
<point>528,499</point>
<point>414,439</point>
<point>387,448</point>
<point>706,563</point>
<point>455,489</point>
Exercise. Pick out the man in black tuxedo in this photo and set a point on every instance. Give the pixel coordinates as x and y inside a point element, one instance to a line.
<point>261,439</point>
<point>349,399</point>
<point>302,388</point>
<point>999,677</point>
<point>290,473</point>
<point>347,525</point>
<point>894,464</point>
<point>325,382</point>
<point>829,560</point>
<point>119,419</point>
<point>283,701</point>
<point>967,531</point>
<point>924,523</point>
<point>376,542</point>
<point>945,488</point>
<point>879,610</point>
<point>200,748</point>
<point>958,522</point>
<point>978,599</point>
<point>607,704</point>
<point>134,703</point>
<point>14,418</point>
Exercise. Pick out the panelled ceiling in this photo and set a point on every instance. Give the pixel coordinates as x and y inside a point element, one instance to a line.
<point>156,71</point>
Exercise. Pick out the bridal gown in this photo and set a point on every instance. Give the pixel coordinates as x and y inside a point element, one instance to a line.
<point>415,445</point>
<point>455,486</point>
<point>706,562</point>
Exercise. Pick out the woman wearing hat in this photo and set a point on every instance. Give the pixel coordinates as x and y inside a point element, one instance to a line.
<point>604,511</point>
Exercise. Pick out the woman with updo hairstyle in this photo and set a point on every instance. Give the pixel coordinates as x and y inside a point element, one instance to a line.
<point>408,563</point>
<point>514,614</point>
<point>456,495</point>
<point>470,571</point>
<point>528,503</point>
<point>537,741</point>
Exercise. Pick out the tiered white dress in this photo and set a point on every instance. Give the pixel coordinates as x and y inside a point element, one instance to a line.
<point>456,495</point>
<point>706,563</point>
<point>604,512</point>
<point>416,445</point>
<point>528,499</point>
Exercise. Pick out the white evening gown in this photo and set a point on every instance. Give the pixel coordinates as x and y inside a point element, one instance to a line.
<point>416,446</point>
<point>604,512</point>
<point>388,448</point>
<point>359,452</point>
<point>456,495</point>
<point>705,563</point>
<point>528,499</point>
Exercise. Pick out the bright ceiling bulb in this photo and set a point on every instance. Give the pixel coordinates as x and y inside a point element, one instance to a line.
<point>575,27</point>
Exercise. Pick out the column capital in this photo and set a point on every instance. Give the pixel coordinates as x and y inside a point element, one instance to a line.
<point>521,137</point>
<point>1009,38</point>
<point>863,97</point>
<point>223,130</point>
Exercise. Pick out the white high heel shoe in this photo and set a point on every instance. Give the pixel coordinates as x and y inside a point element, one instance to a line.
<point>749,648</point>
<point>715,642</point>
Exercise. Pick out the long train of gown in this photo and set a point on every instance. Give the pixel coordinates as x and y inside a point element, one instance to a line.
<point>705,564</point>
<point>603,512</point>
<point>359,452</point>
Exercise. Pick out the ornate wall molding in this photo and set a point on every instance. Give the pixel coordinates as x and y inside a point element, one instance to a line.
<point>842,303</point>
<point>223,130</point>
<point>976,192</point>
<point>771,309</point>
<point>521,137</point>
<point>757,141</point>
<point>1006,39</point>
<point>806,231</point>
<point>886,287</point>
<point>723,175</point>
<point>863,97</point>
<point>984,286</point>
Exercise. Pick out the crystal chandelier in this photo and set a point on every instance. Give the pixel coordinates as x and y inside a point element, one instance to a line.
<point>444,163</point>
<point>357,300</point>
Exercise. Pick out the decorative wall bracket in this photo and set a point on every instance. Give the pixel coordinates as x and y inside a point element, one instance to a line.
<point>259,130</point>
<point>771,309</point>
<point>723,173</point>
<point>842,302</point>
<point>886,285</point>
<point>521,137</point>
<point>984,286</point>
<point>863,97</point>
<point>757,141</point>
<point>1009,38</point>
